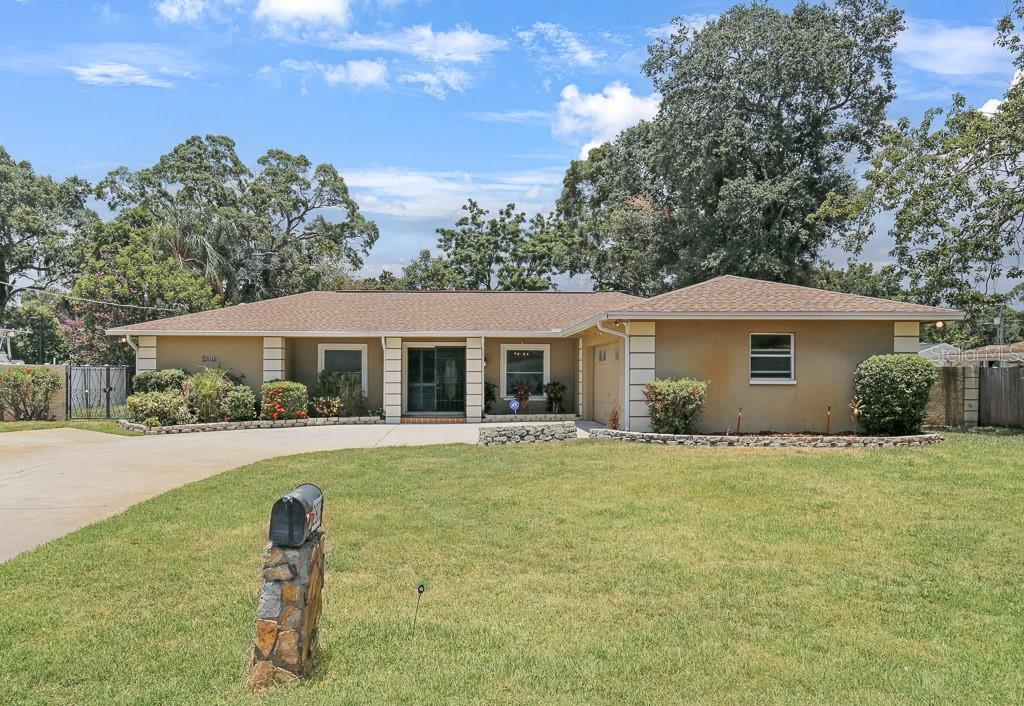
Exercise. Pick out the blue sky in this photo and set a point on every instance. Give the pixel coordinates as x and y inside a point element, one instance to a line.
<point>420,103</point>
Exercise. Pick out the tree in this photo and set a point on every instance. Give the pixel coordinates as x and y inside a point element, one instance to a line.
<point>252,235</point>
<point>40,219</point>
<point>146,284</point>
<point>956,189</point>
<point>503,252</point>
<point>37,314</point>
<point>862,278</point>
<point>428,272</point>
<point>762,114</point>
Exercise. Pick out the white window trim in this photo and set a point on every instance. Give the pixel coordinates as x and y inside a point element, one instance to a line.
<point>791,380</point>
<point>361,347</point>
<point>545,347</point>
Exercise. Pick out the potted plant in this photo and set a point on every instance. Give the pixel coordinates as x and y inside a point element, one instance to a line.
<point>522,395</point>
<point>554,392</point>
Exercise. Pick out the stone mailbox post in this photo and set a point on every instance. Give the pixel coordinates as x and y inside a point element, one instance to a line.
<point>289,604</point>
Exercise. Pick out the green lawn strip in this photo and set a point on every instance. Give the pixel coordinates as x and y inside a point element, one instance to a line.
<point>569,573</point>
<point>107,426</point>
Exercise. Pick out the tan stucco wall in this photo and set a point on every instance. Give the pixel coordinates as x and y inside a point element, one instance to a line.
<point>562,367</point>
<point>827,352</point>
<point>303,360</point>
<point>243,355</point>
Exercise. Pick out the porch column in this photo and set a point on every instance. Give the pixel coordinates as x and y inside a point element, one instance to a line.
<point>639,372</point>
<point>392,380</point>
<point>906,335</point>
<point>273,358</point>
<point>145,355</point>
<point>474,380</point>
<point>579,377</point>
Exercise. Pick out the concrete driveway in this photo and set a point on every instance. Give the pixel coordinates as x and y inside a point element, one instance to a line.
<point>57,480</point>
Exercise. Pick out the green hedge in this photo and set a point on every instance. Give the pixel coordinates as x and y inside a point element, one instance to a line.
<point>893,390</point>
<point>238,404</point>
<point>168,407</point>
<point>27,392</point>
<point>280,399</point>
<point>168,380</point>
<point>674,403</point>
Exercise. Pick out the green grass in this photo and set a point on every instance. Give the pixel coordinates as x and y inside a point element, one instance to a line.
<point>107,426</point>
<point>578,573</point>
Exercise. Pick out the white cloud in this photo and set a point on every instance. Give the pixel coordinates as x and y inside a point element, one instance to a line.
<point>281,14</point>
<point>181,10</point>
<point>933,47</point>
<point>106,74</point>
<point>567,47</point>
<point>439,81</point>
<point>695,21</point>
<point>520,117</point>
<point>421,195</point>
<point>460,45</point>
<point>599,117</point>
<point>359,72</point>
<point>992,104</point>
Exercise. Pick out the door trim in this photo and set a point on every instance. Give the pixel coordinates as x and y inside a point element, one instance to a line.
<point>406,345</point>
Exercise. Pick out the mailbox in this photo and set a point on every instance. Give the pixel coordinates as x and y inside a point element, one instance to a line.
<point>297,515</point>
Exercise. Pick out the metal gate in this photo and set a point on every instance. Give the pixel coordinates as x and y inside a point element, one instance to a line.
<point>97,391</point>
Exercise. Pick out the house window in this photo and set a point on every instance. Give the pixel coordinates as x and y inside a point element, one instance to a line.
<point>771,358</point>
<point>345,358</point>
<point>528,364</point>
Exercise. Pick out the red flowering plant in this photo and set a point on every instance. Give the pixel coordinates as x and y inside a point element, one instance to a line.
<point>281,399</point>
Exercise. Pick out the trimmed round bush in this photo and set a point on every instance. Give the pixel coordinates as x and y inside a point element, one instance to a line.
<point>238,404</point>
<point>166,407</point>
<point>893,390</point>
<point>281,399</point>
<point>168,380</point>
<point>675,403</point>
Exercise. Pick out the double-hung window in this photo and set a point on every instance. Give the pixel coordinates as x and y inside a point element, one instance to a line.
<point>771,358</point>
<point>346,360</point>
<point>526,364</point>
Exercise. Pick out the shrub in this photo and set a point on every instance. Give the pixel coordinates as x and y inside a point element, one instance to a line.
<point>522,395</point>
<point>893,390</point>
<point>280,399</point>
<point>169,380</point>
<point>554,391</point>
<point>205,391</point>
<point>674,403</point>
<point>490,397</point>
<point>166,407</point>
<point>27,392</point>
<point>151,421</point>
<point>325,407</point>
<point>238,404</point>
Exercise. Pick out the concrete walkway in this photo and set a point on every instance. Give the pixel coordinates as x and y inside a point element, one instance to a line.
<point>57,480</point>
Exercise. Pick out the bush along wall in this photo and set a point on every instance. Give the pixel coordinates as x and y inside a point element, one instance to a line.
<point>675,403</point>
<point>893,391</point>
<point>281,399</point>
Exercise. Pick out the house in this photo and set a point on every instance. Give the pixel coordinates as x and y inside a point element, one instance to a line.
<point>941,354</point>
<point>1007,355</point>
<point>783,353</point>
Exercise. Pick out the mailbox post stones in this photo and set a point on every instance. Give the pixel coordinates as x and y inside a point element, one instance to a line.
<point>290,596</point>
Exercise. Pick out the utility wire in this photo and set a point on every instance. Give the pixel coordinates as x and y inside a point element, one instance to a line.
<point>85,299</point>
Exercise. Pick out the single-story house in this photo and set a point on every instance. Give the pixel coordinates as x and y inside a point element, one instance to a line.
<point>943,355</point>
<point>783,353</point>
<point>1005,355</point>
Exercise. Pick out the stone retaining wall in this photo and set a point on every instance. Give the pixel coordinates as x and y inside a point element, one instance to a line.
<point>815,442</point>
<point>254,424</point>
<point>529,418</point>
<point>526,433</point>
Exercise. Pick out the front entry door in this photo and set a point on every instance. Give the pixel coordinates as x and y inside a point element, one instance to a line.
<point>437,379</point>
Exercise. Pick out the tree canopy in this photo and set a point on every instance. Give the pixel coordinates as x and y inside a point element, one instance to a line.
<point>762,113</point>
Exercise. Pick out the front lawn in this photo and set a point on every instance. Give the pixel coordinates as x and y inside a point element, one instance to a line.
<point>107,426</point>
<point>576,573</point>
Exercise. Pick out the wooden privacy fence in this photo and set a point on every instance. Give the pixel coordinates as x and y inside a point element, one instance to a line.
<point>1001,398</point>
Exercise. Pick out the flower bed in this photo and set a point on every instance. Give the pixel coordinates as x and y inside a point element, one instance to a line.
<point>767,440</point>
<point>255,424</point>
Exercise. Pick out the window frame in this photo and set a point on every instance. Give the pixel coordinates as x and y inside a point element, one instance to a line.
<point>545,348</point>
<point>791,380</point>
<point>322,348</point>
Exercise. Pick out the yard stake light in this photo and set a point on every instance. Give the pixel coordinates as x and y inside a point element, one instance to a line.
<point>828,420</point>
<point>739,419</point>
<point>419,594</point>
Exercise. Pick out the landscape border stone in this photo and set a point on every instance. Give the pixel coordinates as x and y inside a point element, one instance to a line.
<point>498,434</point>
<point>253,424</point>
<point>808,441</point>
<point>500,418</point>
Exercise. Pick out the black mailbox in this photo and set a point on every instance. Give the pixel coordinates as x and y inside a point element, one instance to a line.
<point>297,515</point>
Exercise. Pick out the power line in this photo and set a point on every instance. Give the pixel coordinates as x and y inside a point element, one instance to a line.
<point>86,299</point>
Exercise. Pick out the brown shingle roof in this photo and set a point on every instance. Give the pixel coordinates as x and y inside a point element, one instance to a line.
<point>398,312</point>
<point>1006,348</point>
<point>741,295</point>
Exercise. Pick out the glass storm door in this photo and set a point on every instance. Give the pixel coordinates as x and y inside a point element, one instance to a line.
<point>437,379</point>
